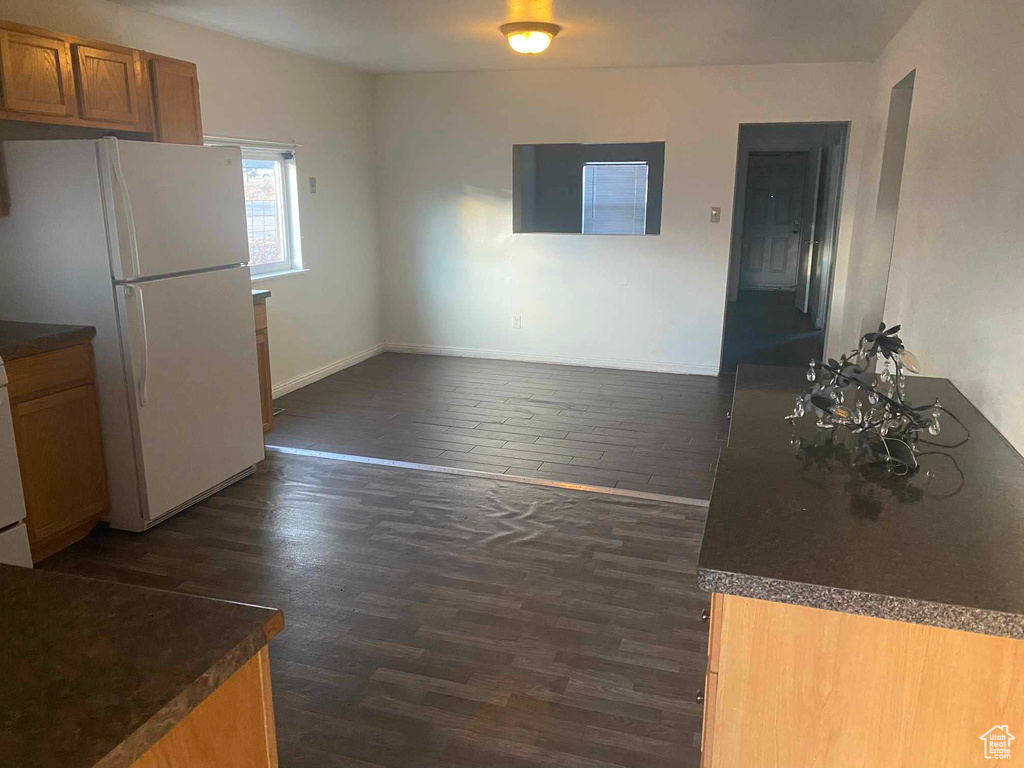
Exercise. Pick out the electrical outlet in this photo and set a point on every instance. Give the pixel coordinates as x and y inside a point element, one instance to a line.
<point>312,185</point>
<point>716,215</point>
<point>517,322</point>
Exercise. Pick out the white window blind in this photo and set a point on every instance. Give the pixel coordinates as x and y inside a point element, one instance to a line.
<point>615,198</point>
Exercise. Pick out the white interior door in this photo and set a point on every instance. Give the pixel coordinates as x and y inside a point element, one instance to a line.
<point>179,208</point>
<point>192,348</point>
<point>771,223</point>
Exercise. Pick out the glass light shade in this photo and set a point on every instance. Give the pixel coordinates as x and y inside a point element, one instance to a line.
<point>529,37</point>
<point>529,42</point>
<point>909,360</point>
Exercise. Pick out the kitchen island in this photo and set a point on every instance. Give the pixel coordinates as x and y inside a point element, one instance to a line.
<point>96,673</point>
<point>860,617</point>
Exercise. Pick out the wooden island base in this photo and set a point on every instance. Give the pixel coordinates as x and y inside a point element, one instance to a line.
<point>794,687</point>
<point>232,728</point>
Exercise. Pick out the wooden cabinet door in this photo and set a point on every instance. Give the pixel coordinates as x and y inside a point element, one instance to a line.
<point>263,365</point>
<point>266,396</point>
<point>107,87</point>
<point>176,114</point>
<point>707,729</point>
<point>60,451</point>
<point>35,74</point>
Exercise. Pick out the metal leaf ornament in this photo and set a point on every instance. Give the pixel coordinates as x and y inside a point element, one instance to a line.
<point>842,394</point>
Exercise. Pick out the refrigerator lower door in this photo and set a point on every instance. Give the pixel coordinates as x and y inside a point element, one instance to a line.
<point>177,208</point>
<point>190,351</point>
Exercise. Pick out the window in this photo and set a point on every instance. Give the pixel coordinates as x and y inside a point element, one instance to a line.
<point>615,198</point>
<point>588,189</point>
<point>269,181</point>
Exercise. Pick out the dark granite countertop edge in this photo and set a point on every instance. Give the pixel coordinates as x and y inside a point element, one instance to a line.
<point>977,620</point>
<point>49,338</point>
<point>143,738</point>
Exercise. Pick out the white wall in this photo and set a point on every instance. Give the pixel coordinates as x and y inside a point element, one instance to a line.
<point>454,275</point>
<point>957,275</point>
<point>249,90</point>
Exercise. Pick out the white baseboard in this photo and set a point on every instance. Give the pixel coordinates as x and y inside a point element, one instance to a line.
<point>589,362</point>
<point>308,378</point>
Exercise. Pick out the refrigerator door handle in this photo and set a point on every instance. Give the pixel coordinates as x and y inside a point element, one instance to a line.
<point>136,292</point>
<point>126,200</point>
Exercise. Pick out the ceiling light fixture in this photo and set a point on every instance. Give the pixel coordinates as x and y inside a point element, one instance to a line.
<point>530,37</point>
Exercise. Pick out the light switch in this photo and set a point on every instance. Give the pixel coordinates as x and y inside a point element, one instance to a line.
<point>716,215</point>
<point>312,185</point>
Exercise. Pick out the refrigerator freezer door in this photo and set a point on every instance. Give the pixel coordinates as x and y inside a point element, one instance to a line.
<point>191,355</point>
<point>177,208</point>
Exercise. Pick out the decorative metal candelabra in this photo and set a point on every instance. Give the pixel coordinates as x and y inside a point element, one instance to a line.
<point>838,386</point>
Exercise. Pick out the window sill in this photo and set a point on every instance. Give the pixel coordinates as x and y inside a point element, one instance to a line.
<point>275,275</point>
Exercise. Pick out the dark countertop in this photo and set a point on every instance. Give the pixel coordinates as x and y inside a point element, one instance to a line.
<point>259,296</point>
<point>93,673</point>
<point>27,339</point>
<point>796,523</point>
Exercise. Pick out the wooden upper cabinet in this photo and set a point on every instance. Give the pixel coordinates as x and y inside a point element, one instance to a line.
<point>35,74</point>
<point>108,83</point>
<point>176,115</point>
<point>48,77</point>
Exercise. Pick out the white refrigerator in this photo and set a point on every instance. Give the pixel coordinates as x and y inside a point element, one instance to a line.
<point>146,242</point>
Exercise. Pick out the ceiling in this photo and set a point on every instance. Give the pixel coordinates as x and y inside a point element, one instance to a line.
<point>453,35</point>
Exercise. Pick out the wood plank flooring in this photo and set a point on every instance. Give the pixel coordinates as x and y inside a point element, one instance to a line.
<point>435,620</point>
<point>654,432</point>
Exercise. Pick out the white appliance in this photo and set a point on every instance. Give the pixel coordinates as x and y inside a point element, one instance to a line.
<point>146,242</point>
<point>14,548</point>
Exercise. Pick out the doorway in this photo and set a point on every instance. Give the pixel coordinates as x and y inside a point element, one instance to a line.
<point>785,226</point>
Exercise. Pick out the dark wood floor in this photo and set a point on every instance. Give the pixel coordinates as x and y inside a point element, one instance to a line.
<point>653,432</point>
<point>766,328</point>
<point>435,620</point>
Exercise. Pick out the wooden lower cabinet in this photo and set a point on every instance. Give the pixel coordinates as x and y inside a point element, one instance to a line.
<point>263,364</point>
<point>708,727</point>
<point>231,728</point>
<point>60,450</point>
<point>800,686</point>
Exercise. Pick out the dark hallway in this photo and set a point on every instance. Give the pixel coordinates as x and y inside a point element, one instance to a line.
<point>765,327</point>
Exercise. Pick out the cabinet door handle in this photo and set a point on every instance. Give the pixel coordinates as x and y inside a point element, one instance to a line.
<point>705,615</point>
<point>700,696</point>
